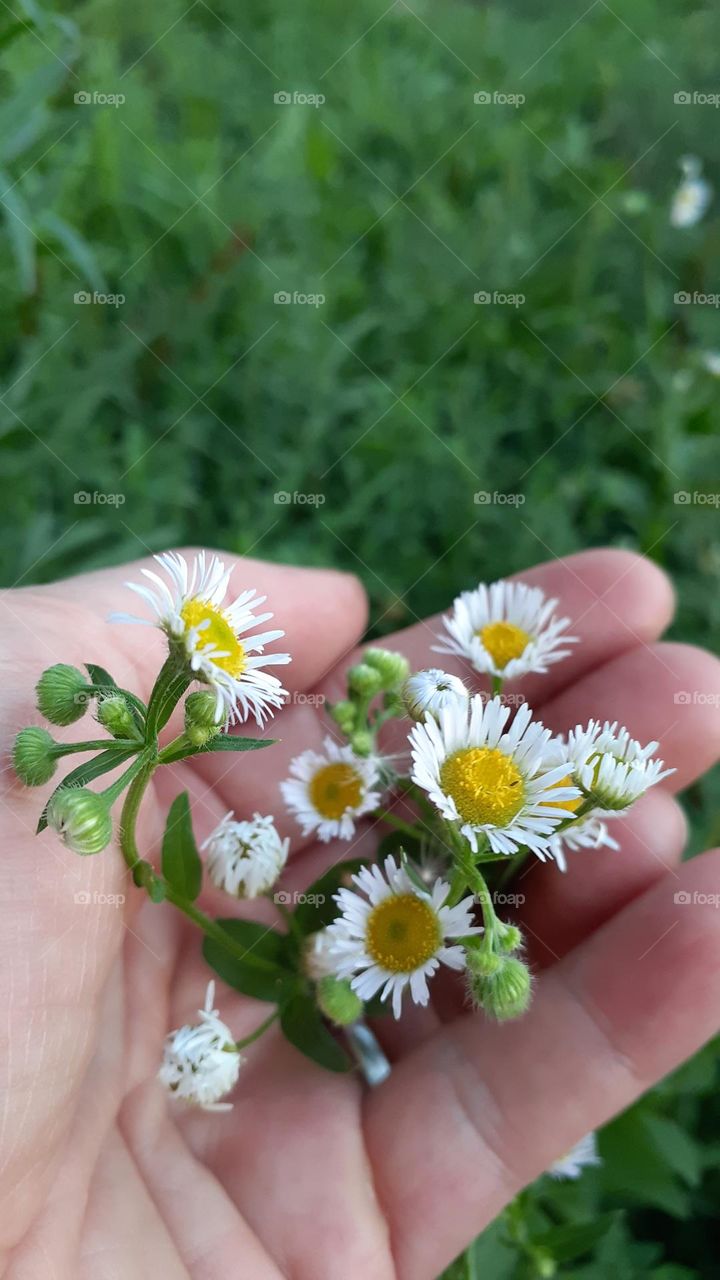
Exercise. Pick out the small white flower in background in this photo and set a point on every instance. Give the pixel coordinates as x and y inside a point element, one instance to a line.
<point>582,1155</point>
<point>586,833</point>
<point>317,956</point>
<point>611,766</point>
<point>498,783</point>
<point>391,935</point>
<point>328,792</point>
<point>245,858</point>
<point>692,198</point>
<point>507,630</point>
<point>427,692</point>
<point>710,361</point>
<point>200,1062</point>
<point>211,633</point>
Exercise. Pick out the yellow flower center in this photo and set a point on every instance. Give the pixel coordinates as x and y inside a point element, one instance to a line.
<point>335,788</point>
<point>504,641</point>
<point>403,932</point>
<point>485,784</point>
<point>217,634</point>
<point>572,806</point>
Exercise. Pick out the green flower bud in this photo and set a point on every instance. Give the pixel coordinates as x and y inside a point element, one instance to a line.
<point>114,715</point>
<point>201,719</point>
<point>393,702</point>
<point>362,742</point>
<point>338,1001</point>
<point>63,694</point>
<point>81,818</point>
<point>344,715</point>
<point>481,962</point>
<point>544,1263</point>
<point>34,757</point>
<point>508,938</point>
<point>504,994</point>
<point>392,667</point>
<point>364,681</point>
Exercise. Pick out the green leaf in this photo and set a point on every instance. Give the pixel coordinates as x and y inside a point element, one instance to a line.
<point>262,970</point>
<point>575,1238</point>
<point>85,773</point>
<point>181,863</point>
<point>221,744</point>
<point>303,1026</point>
<point>100,676</point>
<point>169,688</point>
<point>318,907</point>
<point>104,680</point>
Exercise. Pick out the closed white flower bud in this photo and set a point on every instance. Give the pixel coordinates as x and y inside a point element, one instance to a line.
<point>245,858</point>
<point>81,818</point>
<point>200,1063</point>
<point>428,692</point>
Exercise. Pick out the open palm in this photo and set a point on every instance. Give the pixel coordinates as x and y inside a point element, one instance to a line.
<point>309,1176</point>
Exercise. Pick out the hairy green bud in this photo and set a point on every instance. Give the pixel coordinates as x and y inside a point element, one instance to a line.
<point>392,667</point>
<point>504,994</point>
<point>364,681</point>
<point>344,714</point>
<point>81,818</point>
<point>34,756</point>
<point>362,742</point>
<point>114,715</point>
<point>63,694</point>
<point>201,722</point>
<point>338,1001</point>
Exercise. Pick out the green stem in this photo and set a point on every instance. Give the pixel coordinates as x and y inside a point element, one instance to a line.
<point>287,917</point>
<point>100,744</point>
<point>255,1035</point>
<point>213,930</point>
<point>130,809</point>
<point>497,686</point>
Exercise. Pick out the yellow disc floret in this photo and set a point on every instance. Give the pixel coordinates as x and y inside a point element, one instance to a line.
<point>504,641</point>
<point>485,784</point>
<point>216,634</point>
<point>336,788</point>
<point>402,933</point>
<point>572,806</point>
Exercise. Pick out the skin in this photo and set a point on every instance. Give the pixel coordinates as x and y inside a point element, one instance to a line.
<point>101,1177</point>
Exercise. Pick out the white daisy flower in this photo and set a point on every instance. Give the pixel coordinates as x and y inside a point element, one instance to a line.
<point>329,792</point>
<point>613,768</point>
<point>427,692</point>
<point>586,833</point>
<point>317,956</point>
<point>692,198</point>
<point>211,633</point>
<point>245,858</point>
<point>391,935</point>
<point>503,784</point>
<point>581,1156</point>
<point>506,630</point>
<point>200,1063</point>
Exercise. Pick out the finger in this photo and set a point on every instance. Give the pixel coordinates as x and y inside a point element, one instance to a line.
<point>664,692</point>
<point>615,600</point>
<point>610,1019</point>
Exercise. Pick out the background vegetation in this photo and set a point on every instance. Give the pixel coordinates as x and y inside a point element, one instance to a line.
<point>182,411</point>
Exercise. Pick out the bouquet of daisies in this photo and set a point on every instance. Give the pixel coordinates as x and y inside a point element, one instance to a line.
<point>459,781</point>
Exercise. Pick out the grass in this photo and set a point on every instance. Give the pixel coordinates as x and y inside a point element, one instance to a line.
<point>184,410</point>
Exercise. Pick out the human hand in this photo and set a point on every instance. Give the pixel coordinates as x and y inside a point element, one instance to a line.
<point>307,1175</point>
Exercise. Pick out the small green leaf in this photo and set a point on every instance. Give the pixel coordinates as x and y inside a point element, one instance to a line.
<point>303,1026</point>
<point>576,1238</point>
<point>262,969</point>
<point>221,744</point>
<point>87,772</point>
<point>181,863</point>
<point>100,676</point>
<point>318,907</point>
<point>169,687</point>
<point>104,680</point>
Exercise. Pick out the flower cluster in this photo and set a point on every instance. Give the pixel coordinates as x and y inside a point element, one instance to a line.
<point>460,784</point>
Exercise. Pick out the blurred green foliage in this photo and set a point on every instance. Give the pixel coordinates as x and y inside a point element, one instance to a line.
<point>181,412</point>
